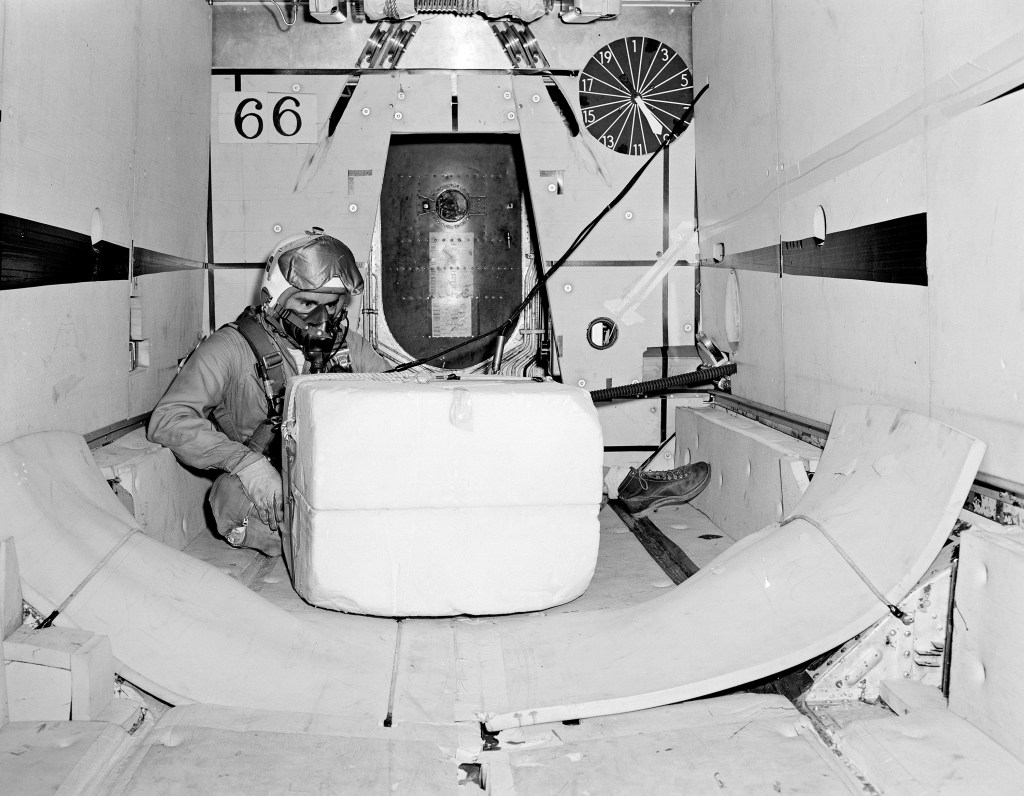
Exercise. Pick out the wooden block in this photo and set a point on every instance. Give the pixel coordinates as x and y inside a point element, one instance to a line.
<point>87,657</point>
<point>10,589</point>
<point>904,696</point>
<point>51,646</point>
<point>92,679</point>
<point>38,693</point>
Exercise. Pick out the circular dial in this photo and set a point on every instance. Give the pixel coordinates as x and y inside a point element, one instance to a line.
<point>633,92</point>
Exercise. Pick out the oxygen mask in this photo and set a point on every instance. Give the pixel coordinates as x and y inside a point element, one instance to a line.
<point>319,333</point>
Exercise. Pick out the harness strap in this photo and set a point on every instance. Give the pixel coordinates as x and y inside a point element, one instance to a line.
<point>272,376</point>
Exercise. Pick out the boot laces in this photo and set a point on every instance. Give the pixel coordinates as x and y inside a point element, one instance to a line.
<point>661,475</point>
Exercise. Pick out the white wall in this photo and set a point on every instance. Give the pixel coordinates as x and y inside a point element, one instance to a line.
<point>105,107</point>
<point>877,112</point>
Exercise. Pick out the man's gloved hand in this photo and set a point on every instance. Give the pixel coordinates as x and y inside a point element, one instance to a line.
<point>262,483</point>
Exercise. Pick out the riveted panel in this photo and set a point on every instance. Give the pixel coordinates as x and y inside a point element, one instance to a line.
<point>451,243</point>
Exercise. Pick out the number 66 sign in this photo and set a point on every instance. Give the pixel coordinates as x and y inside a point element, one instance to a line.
<point>266,118</point>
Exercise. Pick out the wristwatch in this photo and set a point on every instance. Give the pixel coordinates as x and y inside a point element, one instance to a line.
<point>236,536</point>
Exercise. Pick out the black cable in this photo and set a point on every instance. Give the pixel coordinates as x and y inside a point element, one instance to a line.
<point>658,385</point>
<point>509,323</point>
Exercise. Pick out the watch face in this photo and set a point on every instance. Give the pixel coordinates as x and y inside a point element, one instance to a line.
<point>633,92</point>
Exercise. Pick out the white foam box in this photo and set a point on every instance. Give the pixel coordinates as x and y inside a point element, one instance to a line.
<point>435,498</point>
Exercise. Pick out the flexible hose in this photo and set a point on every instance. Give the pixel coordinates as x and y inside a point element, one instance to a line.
<point>658,385</point>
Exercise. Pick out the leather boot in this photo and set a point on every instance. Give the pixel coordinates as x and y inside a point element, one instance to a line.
<point>642,491</point>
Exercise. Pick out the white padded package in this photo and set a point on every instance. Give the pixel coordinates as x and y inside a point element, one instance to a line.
<point>432,497</point>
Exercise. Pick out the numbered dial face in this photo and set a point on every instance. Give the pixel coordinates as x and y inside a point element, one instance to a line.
<point>633,92</point>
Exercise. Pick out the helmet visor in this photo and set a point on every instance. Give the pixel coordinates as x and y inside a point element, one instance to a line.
<point>315,264</point>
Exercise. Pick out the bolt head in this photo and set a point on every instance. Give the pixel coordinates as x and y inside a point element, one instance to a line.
<point>507,95</point>
<point>582,382</point>
<point>277,227</point>
<point>535,98</point>
<point>567,287</point>
<point>352,208</point>
<point>511,115</point>
<point>365,111</point>
<point>629,215</point>
<point>401,95</point>
<point>398,116</point>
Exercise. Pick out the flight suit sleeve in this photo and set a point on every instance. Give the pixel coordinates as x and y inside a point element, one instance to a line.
<point>181,421</point>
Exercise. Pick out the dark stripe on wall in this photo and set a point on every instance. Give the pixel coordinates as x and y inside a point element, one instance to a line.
<point>249,266</point>
<point>765,260</point>
<point>889,251</point>
<point>146,262</point>
<point>33,254</point>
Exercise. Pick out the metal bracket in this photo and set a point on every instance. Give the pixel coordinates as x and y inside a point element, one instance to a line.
<point>890,649</point>
<point>386,45</point>
<point>519,43</point>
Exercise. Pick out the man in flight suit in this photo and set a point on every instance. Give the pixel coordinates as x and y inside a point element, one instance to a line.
<point>223,409</point>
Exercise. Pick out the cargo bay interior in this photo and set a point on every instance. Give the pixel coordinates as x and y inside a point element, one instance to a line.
<point>812,285</point>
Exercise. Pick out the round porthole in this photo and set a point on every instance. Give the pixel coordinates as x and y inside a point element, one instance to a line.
<point>451,205</point>
<point>602,333</point>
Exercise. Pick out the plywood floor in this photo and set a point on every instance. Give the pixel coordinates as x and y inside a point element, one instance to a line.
<point>625,574</point>
<point>745,743</point>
